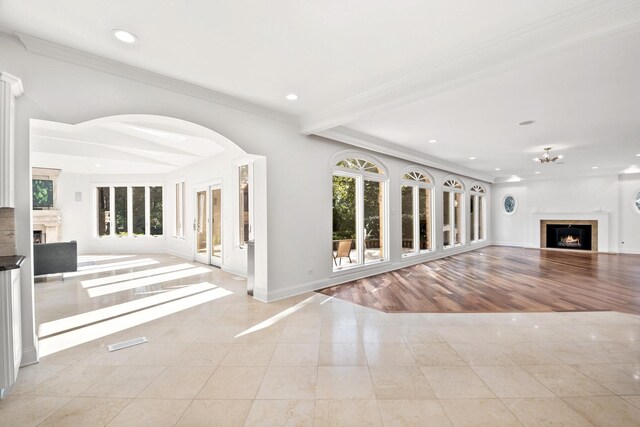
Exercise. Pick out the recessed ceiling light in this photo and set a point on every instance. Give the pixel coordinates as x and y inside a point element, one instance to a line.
<point>496,169</point>
<point>472,158</point>
<point>527,122</point>
<point>432,141</point>
<point>595,167</point>
<point>125,36</point>
<point>292,97</point>
<point>638,155</point>
<point>97,165</point>
<point>537,172</point>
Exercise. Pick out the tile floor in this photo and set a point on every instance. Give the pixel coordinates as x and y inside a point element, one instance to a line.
<point>216,357</point>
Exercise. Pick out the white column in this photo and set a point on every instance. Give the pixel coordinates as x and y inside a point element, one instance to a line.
<point>10,89</point>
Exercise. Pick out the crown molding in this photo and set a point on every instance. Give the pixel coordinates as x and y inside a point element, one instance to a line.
<point>598,19</point>
<point>378,145</point>
<point>16,84</point>
<point>89,60</point>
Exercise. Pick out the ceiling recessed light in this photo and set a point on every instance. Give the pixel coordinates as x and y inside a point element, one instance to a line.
<point>527,122</point>
<point>97,165</point>
<point>472,158</point>
<point>537,172</point>
<point>638,155</point>
<point>125,36</point>
<point>435,140</point>
<point>496,169</point>
<point>292,97</point>
<point>595,167</point>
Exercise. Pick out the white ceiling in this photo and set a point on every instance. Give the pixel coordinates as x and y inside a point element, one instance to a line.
<point>121,146</point>
<point>461,72</point>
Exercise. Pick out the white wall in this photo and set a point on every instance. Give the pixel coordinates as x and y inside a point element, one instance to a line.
<point>78,217</point>
<point>582,195</point>
<point>298,197</point>
<point>629,186</point>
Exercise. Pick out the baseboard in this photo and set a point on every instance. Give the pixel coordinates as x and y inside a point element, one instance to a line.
<point>232,271</point>
<point>512,244</point>
<point>629,251</point>
<point>29,356</point>
<point>185,256</point>
<point>360,274</point>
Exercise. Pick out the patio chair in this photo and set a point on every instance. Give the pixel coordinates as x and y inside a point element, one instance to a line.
<point>344,251</point>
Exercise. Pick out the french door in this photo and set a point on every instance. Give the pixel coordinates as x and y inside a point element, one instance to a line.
<point>208,225</point>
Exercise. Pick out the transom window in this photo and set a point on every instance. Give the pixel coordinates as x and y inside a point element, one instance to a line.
<point>359,165</point>
<point>453,212</point>
<point>359,213</point>
<point>477,211</point>
<point>417,213</point>
<point>129,210</point>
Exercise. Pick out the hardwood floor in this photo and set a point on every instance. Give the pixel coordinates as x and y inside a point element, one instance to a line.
<point>503,279</point>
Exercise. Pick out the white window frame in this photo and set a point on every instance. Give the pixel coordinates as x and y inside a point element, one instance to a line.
<point>449,187</point>
<point>112,210</point>
<point>360,176</point>
<point>179,229</point>
<point>479,195</point>
<point>238,221</point>
<point>416,186</point>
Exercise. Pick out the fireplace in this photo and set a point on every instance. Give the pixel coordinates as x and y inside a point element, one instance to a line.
<point>39,236</point>
<point>566,234</point>
<point>569,236</point>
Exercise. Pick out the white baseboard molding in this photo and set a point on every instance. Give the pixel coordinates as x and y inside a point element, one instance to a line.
<point>629,251</point>
<point>512,244</point>
<point>185,256</point>
<point>29,356</point>
<point>280,294</point>
<point>232,271</point>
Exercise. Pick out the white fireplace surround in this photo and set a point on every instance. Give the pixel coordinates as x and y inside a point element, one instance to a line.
<point>602,218</point>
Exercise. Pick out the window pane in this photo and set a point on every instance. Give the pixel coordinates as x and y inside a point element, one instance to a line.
<point>137,208</point>
<point>344,221</point>
<point>407,220</point>
<point>457,221</point>
<point>373,221</point>
<point>472,210</point>
<point>446,218</point>
<point>481,208</point>
<point>424,203</point>
<point>121,211</point>
<point>155,211</point>
<point>244,203</point>
<point>104,211</point>
<point>179,210</point>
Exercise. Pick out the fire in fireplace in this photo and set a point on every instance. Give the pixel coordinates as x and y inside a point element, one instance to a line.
<point>568,236</point>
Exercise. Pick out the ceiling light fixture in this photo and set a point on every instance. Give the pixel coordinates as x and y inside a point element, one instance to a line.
<point>546,157</point>
<point>432,141</point>
<point>537,172</point>
<point>97,165</point>
<point>125,36</point>
<point>292,97</point>
<point>496,169</point>
<point>638,155</point>
<point>595,167</point>
<point>472,158</point>
<point>527,122</point>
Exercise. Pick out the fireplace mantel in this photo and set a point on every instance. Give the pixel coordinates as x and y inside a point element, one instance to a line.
<point>601,216</point>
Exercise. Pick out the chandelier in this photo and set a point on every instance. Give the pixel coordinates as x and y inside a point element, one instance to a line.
<point>546,157</point>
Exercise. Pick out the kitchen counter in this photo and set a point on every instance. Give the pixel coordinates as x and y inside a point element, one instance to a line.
<point>11,262</point>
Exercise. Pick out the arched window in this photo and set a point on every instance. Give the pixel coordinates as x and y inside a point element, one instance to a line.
<point>452,212</point>
<point>417,212</point>
<point>360,230</point>
<point>477,211</point>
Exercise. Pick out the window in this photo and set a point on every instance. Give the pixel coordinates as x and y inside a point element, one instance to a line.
<point>636,203</point>
<point>245,175</point>
<point>477,208</point>
<point>452,209</point>
<point>416,195</point>
<point>359,213</point>
<point>509,204</point>
<point>133,210</point>
<point>178,230</point>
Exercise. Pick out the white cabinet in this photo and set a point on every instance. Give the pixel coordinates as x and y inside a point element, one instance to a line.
<point>10,328</point>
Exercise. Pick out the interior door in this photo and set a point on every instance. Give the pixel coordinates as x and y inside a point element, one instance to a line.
<point>215,192</point>
<point>201,225</point>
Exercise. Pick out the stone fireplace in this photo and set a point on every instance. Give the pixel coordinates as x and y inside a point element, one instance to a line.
<point>569,234</point>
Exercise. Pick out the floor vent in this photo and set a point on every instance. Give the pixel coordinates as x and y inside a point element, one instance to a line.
<point>128,343</point>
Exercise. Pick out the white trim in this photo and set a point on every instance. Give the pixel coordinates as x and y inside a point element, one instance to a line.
<point>85,59</point>
<point>471,63</point>
<point>356,154</point>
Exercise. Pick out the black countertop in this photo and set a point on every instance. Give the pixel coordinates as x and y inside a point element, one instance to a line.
<point>11,262</point>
